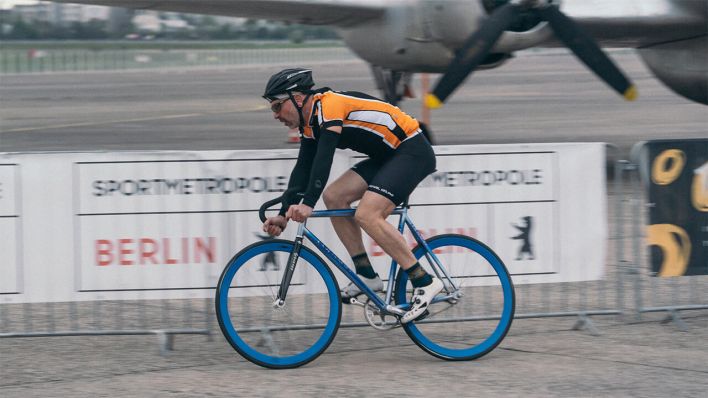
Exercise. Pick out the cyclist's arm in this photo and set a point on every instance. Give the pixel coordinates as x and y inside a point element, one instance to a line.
<point>321,165</point>
<point>300,175</point>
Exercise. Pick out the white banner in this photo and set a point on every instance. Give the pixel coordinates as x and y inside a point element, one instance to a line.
<point>479,176</point>
<point>181,184</point>
<point>10,230</point>
<point>540,207</point>
<point>509,196</point>
<point>163,224</point>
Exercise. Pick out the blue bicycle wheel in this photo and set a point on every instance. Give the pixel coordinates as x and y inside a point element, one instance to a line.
<point>285,337</point>
<point>475,323</point>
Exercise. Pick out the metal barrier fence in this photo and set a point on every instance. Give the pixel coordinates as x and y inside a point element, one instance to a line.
<point>162,318</point>
<point>39,61</point>
<point>628,288</point>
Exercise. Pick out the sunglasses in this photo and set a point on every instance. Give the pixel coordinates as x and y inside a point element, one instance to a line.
<point>277,105</point>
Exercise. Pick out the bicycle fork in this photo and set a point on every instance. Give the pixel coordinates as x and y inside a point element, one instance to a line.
<point>289,269</point>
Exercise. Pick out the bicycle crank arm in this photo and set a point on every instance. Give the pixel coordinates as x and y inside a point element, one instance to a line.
<point>395,310</point>
<point>354,301</point>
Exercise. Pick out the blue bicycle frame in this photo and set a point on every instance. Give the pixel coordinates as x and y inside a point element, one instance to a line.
<point>385,306</point>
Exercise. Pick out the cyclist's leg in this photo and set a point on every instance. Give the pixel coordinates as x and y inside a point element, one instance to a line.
<point>340,194</point>
<point>371,215</point>
<point>393,182</point>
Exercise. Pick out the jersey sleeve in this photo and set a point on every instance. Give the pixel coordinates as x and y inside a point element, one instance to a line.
<point>321,166</point>
<point>300,175</point>
<point>331,112</point>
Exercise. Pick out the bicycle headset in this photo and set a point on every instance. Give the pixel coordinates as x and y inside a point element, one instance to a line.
<point>285,82</point>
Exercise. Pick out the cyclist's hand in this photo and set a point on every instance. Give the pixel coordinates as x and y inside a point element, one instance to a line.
<point>299,213</point>
<point>274,226</point>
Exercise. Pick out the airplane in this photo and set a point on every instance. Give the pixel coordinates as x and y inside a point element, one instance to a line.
<point>456,37</point>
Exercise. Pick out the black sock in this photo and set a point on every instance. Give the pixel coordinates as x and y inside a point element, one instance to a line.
<point>418,276</point>
<point>363,266</point>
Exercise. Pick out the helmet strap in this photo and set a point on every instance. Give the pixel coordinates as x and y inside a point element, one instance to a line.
<point>301,127</point>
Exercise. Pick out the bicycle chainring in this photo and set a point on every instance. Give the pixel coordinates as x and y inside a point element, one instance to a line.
<point>377,320</point>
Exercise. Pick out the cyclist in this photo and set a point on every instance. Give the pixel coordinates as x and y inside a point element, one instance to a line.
<point>400,157</point>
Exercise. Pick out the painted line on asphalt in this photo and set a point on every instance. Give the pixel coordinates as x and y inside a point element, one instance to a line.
<point>144,119</point>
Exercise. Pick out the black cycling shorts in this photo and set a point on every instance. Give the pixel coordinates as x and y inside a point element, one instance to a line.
<point>396,177</point>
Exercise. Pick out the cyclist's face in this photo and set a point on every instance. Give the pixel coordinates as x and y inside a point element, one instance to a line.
<point>285,112</point>
<point>277,104</point>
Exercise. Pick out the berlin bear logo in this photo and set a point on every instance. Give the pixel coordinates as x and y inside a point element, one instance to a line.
<point>524,235</point>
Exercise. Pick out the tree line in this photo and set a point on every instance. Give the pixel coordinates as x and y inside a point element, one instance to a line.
<point>201,28</point>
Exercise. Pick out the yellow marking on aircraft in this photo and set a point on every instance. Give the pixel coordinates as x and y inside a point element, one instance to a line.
<point>432,102</point>
<point>631,93</point>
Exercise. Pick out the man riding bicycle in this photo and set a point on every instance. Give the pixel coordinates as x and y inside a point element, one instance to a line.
<point>400,157</point>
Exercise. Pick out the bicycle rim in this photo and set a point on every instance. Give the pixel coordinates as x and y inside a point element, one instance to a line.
<point>277,337</point>
<point>481,318</point>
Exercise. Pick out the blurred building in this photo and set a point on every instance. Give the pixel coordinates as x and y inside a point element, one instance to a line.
<point>156,22</point>
<point>126,20</point>
<point>59,14</point>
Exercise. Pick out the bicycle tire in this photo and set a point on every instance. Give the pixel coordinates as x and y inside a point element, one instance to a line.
<point>244,309</point>
<point>483,331</point>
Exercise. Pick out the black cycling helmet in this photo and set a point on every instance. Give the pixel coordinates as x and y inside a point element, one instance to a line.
<point>281,84</point>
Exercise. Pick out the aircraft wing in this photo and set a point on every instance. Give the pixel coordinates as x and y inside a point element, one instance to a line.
<point>310,12</point>
<point>639,23</point>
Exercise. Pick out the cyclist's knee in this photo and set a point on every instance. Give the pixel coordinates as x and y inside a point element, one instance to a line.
<point>339,199</point>
<point>333,199</point>
<point>362,217</point>
<point>366,216</point>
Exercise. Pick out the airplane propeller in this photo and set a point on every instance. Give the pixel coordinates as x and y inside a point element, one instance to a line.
<point>478,45</point>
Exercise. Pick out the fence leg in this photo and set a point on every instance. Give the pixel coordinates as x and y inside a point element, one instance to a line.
<point>585,323</point>
<point>166,341</point>
<point>209,311</point>
<point>675,317</point>
<point>267,341</point>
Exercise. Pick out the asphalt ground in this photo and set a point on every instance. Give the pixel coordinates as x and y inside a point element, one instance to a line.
<point>539,358</point>
<point>535,98</point>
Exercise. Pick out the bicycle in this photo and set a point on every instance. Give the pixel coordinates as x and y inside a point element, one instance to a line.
<point>285,318</point>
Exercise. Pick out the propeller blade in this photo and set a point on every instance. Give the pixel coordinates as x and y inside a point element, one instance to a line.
<point>585,48</point>
<point>474,51</point>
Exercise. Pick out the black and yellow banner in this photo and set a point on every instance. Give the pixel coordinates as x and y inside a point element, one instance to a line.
<point>678,215</point>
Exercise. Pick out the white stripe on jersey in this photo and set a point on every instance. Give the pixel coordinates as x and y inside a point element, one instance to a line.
<point>319,112</point>
<point>375,117</point>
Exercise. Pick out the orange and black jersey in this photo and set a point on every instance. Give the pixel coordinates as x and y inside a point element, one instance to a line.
<point>369,126</point>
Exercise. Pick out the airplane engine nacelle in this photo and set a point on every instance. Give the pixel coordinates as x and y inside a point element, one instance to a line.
<point>414,35</point>
<point>682,66</point>
<point>424,35</point>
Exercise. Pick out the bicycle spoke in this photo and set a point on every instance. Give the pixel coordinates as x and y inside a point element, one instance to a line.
<point>278,336</point>
<point>463,330</point>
